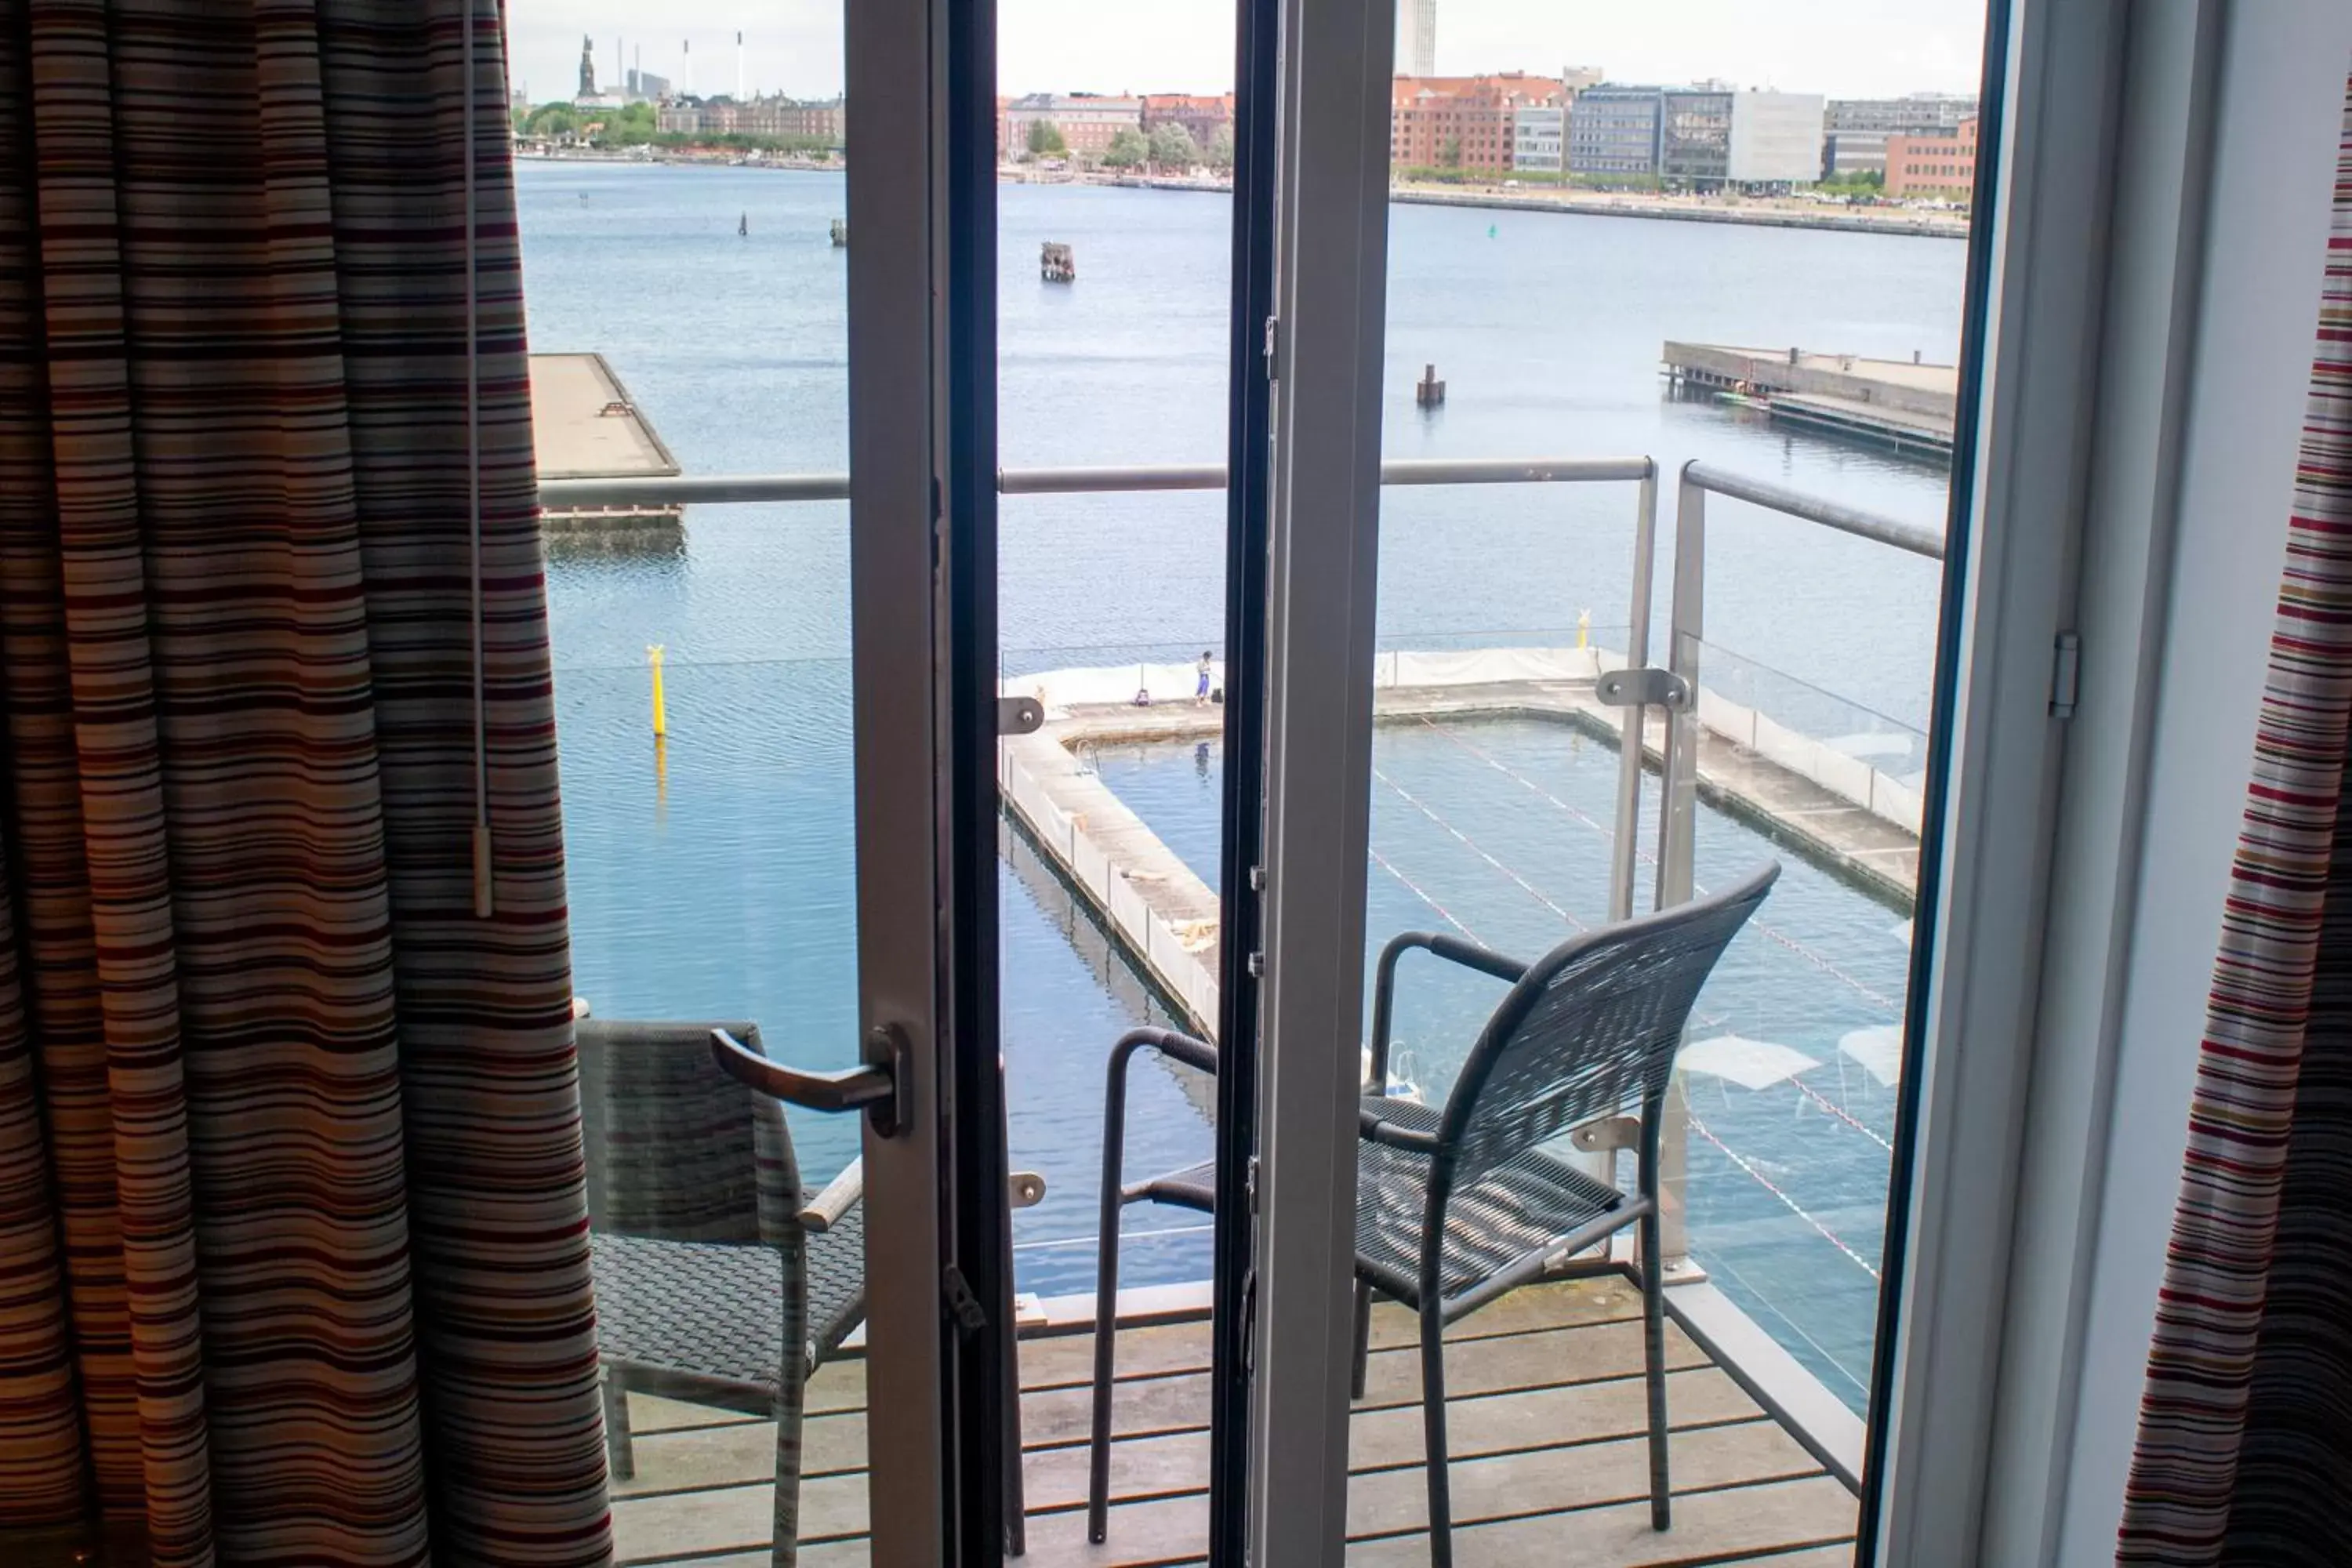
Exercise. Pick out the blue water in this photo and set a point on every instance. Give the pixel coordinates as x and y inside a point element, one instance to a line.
<point>722,884</point>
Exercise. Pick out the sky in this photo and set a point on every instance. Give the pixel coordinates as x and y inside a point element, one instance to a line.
<point>1845,48</point>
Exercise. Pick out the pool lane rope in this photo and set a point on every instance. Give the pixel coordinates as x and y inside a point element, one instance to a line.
<point>1792,1206</point>
<point>1765,928</point>
<point>1468,843</point>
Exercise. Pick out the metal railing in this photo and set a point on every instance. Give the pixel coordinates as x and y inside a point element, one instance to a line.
<point>1675,688</point>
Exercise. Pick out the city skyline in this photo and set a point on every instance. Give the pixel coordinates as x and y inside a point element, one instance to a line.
<point>1844,48</point>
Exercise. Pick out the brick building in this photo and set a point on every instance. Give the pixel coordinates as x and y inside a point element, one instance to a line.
<point>1936,165</point>
<point>1087,122</point>
<point>824,122</point>
<point>1201,116</point>
<point>1462,121</point>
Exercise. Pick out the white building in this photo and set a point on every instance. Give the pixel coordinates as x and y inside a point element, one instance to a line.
<point>1536,133</point>
<point>1420,38</point>
<point>1776,139</point>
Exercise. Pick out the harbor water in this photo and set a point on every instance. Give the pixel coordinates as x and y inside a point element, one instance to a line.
<point>716,879</point>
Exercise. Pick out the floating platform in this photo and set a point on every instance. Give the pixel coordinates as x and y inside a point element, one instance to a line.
<point>585,426</point>
<point>1910,405</point>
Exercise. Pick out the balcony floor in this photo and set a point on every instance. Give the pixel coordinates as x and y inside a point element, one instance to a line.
<point>1550,1461</point>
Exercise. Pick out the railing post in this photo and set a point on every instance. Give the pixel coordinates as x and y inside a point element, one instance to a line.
<point>1678,823</point>
<point>1624,849</point>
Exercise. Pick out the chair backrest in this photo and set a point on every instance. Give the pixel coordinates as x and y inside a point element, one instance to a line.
<point>1592,1027</point>
<point>676,1148</point>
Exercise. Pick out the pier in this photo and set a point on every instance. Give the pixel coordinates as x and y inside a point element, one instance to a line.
<point>1837,810</point>
<point>585,426</point>
<point>1908,405</point>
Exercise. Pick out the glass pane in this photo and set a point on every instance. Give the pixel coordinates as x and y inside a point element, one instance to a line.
<point>1114,234</point>
<point>687,292</point>
<point>1645,263</point>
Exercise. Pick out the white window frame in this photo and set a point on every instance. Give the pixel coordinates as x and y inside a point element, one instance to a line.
<point>2068,533</point>
<point>893,51</point>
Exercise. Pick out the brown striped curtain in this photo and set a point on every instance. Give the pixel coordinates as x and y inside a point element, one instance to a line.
<point>2244,1454</point>
<point>293,1252</point>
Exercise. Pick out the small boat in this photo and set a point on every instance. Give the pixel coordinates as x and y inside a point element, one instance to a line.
<point>743,224</point>
<point>1055,264</point>
<point>841,234</point>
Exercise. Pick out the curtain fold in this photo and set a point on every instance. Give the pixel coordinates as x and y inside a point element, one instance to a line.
<point>293,1243</point>
<point>2245,1454</point>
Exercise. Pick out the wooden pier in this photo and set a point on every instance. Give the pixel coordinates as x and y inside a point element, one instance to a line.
<point>585,426</point>
<point>1910,406</point>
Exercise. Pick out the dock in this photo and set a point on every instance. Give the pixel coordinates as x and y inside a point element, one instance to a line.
<point>1837,810</point>
<point>1910,405</point>
<point>1550,1462</point>
<point>585,426</point>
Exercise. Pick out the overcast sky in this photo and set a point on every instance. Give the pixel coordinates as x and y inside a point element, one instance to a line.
<point>1845,48</point>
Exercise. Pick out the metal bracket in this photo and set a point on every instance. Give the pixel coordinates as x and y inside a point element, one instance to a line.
<point>962,1306</point>
<point>1645,687</point>
<point>1019,715</point>
<point>1608,1134</point>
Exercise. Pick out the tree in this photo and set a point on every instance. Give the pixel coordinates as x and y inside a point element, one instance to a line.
<point>551,119</point>
<point>1221,148</point>
<point>1172,145</point>
<point>1045,140</point>
<point>1126,148</point>
<point>1450,155</point>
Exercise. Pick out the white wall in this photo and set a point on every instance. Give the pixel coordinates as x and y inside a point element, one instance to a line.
<point>2278,110</point>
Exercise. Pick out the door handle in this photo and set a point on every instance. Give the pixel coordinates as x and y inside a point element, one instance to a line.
<point>878,1087</point>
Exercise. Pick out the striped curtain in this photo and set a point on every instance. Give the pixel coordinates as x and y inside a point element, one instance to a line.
<point>2245,1441</point>
<point>293,1253</point>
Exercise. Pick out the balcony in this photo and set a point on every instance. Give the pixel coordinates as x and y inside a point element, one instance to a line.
<point>1644,780</point>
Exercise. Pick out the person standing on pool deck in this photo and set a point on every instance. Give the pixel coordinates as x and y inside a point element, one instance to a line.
<point>1201,691</point>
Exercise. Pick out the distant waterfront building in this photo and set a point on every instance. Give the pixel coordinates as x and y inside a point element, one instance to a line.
<point>1462,121</point>
<point>1536,136</point>
<point>1854,129</point>
<point>644,85</point>
<point>1694,136</point>
<point>1776,139</point>
<point>1941,165</point>
<point>823,122</point>
<point>1577,78</point>
<point>1421,37</point>
<point>1613,130</point>
<point>1086,121</point>
<point>1201,115</point>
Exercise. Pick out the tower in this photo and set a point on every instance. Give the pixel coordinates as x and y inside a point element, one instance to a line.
<point>1421,39</point>
<point>587,67</point>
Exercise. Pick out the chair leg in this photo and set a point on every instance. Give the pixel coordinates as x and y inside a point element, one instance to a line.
<point>1105,1347</point>
<point>1432,1427</point>
<point>1654,1359</point>
<point>1364,1339</point>
<point>790,1401</point>
<point>620,1451</point>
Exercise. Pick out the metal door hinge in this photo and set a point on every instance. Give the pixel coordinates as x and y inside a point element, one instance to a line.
<point>964,1307</point>
<point>1249,1185</point>
<point>2066,675</point>
<point>1274,348</point>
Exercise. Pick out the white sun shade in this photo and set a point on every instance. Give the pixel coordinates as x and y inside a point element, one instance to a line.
<point>1878,1050</point>
<point>1751,1064</point>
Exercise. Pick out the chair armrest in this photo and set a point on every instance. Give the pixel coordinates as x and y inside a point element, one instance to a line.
<point>1369,1124</point>
<point>825,1210</point>
<point>1454,950</point>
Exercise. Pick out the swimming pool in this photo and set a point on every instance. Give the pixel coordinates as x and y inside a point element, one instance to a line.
<point>1501,830</point>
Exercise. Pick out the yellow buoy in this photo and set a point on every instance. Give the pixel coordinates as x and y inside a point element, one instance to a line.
<point>1584,640</point>
<point>661,712</point>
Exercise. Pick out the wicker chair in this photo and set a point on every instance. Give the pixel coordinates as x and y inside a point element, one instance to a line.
<point>720,1278</point>
<point>1460,1205</point>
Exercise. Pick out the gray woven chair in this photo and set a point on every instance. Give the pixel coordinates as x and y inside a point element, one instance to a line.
<point>720,1278</point>
<point>1460,1205</point>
